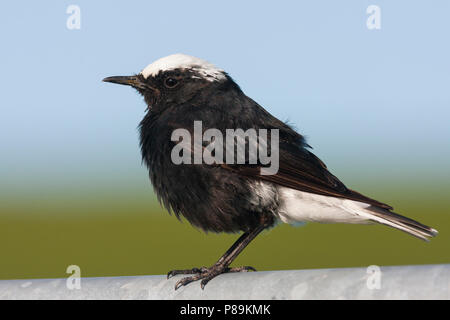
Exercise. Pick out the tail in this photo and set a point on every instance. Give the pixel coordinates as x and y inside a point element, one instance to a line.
<point>402,223</point>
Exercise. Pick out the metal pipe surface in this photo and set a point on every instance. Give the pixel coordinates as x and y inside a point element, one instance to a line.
<point>396,282</point>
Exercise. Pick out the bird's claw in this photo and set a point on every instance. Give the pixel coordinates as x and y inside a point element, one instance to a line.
<point>172,273</point>
<point>205,274</point>
<point>185,281</point>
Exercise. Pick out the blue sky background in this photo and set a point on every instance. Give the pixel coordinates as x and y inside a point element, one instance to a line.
<point>373,103</point>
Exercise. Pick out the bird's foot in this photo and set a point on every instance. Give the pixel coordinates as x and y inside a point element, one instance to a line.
<point>205,274</point>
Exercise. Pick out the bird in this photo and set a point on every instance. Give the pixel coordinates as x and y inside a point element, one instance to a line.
<point>220,196</point>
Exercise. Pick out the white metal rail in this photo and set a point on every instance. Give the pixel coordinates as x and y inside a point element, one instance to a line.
<point>399,282</point>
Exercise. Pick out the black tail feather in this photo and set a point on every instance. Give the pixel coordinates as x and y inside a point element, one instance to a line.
<point>402,223</point>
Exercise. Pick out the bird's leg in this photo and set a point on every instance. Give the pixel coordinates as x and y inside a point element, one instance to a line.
<point>222,265</point>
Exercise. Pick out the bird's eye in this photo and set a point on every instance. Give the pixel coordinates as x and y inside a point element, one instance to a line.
<point>171,82</point>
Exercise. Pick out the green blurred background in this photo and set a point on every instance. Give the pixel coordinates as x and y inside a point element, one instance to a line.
<point>111,232</point>
<point>374,104</point>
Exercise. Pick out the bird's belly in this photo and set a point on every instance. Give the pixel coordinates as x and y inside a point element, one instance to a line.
<point>298,206</point>
<point>211,198</point>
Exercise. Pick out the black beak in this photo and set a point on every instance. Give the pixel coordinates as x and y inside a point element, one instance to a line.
<point>133,81</point>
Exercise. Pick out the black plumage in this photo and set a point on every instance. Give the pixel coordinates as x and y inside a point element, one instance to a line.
<point>223,197</point>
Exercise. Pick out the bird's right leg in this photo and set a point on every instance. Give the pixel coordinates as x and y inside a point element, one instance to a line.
<point>222,265</point>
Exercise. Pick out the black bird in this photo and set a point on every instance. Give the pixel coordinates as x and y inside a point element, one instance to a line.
<point>223,197</point>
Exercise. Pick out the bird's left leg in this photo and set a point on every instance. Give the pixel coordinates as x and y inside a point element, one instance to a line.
<point>222,265</point>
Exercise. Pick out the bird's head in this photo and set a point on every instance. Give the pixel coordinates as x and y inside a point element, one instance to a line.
<point>174,79</point>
